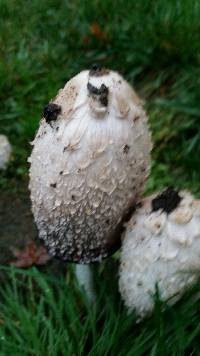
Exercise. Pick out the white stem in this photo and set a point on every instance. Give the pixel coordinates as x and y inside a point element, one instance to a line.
<point>85,280</point>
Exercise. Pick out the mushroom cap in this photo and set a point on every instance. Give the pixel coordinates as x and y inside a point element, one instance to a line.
<point>90,159</point>
<point>5,151</point>
<point>160,247</point>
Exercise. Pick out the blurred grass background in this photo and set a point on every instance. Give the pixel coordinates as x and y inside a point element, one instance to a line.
<point>156,46</point>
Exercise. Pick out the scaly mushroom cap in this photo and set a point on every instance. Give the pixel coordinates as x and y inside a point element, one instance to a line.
<point>161,246</point>
<point>89,163</point>
<point>5,151</point>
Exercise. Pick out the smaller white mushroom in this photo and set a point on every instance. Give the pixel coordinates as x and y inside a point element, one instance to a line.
<point>5,151</point>
<point>160,247</point>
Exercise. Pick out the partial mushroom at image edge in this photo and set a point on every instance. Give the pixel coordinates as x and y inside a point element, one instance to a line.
<point>160,250</point>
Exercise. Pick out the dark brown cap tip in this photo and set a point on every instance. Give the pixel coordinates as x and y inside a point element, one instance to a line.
<point>167,201</point>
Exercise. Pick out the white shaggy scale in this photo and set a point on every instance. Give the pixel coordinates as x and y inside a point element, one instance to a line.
<point>89,166</point>
<point>160,249</point>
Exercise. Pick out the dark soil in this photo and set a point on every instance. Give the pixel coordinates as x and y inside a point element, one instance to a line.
<point>16,224</point>
<point>17,230</point>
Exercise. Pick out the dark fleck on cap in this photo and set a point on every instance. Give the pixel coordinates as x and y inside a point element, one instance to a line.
<point>126,148</point>
<point>97,71</point>
<point>51,112</point>
<point>167,201</point>
<point>101,92</point>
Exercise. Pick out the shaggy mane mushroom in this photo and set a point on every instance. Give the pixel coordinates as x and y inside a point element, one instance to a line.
<point>89,163</point>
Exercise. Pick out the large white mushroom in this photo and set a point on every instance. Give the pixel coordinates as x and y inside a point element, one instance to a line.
<point>90,159</point>
<point>5,151</point>
<point>160,249</point>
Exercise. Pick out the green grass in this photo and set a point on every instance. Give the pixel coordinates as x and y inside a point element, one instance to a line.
<point>155,45</point>
<point>44,315</point>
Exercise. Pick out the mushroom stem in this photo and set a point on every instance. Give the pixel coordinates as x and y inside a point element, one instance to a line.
<point>85,280</point>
